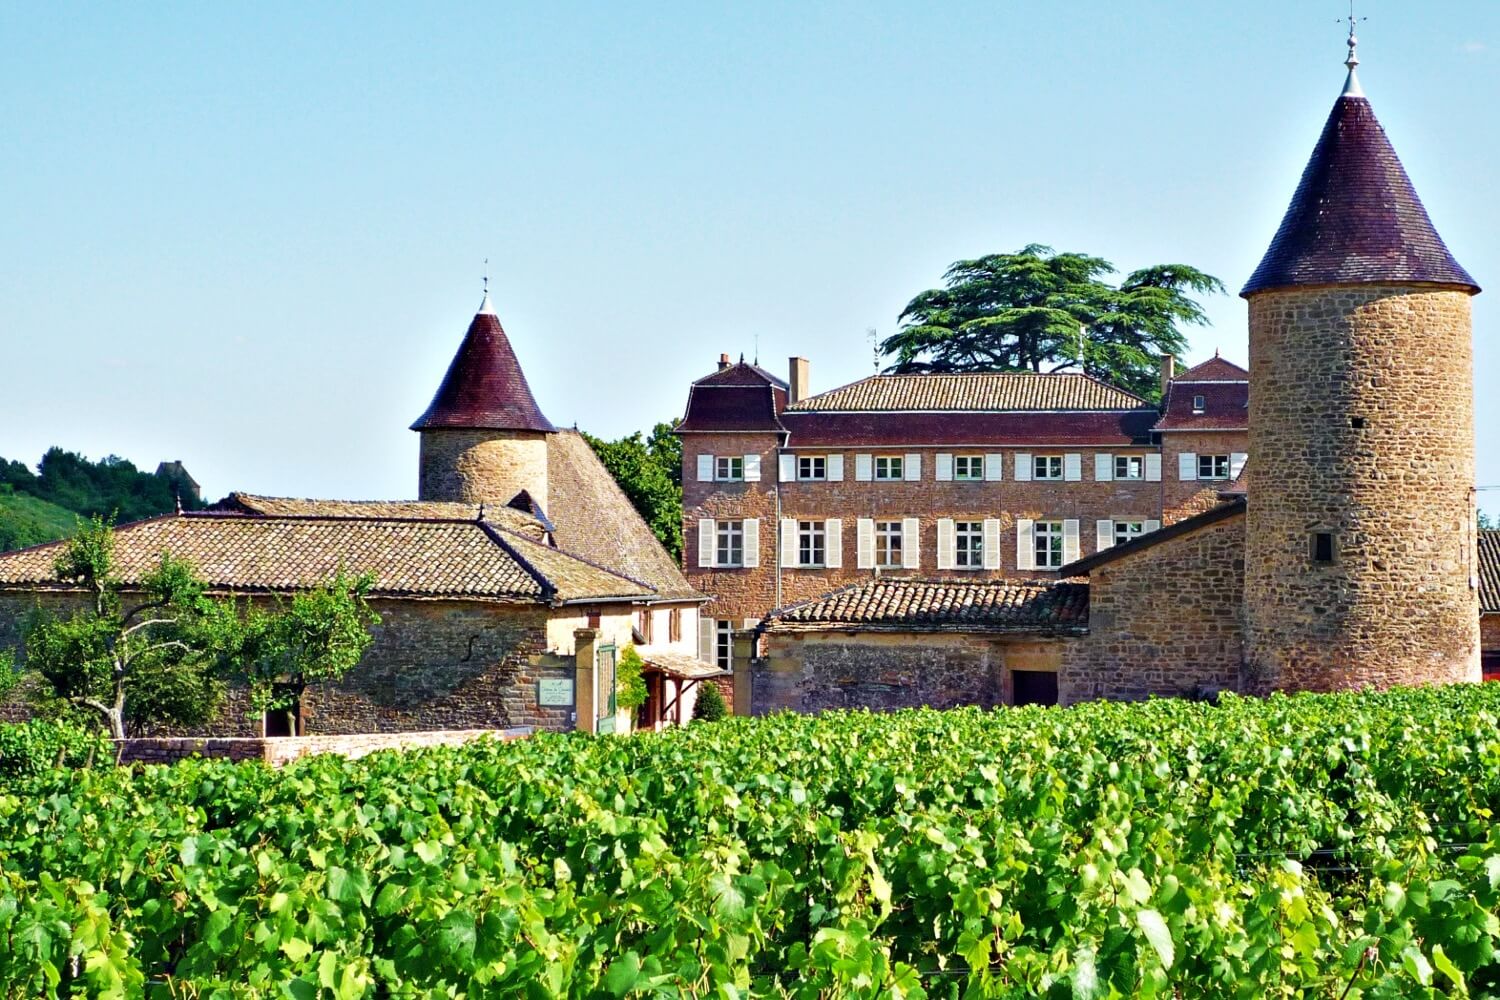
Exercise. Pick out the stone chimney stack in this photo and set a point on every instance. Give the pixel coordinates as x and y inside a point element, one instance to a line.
<point>1168,372</point>
<point>723,361</point>
<point>799,370</point>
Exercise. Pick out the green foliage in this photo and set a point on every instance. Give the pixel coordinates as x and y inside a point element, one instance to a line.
<point>630,686</point>
<point>709,706</point>
<point>26,520</point>
<point>649,471</point>
<point>1487,523</point>
<point>1317,846</point>
<point>28,749</point>
<point>1021,312</point>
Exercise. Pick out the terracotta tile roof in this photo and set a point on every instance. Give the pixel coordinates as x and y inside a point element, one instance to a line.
<point>1226,406</point>
<point>679,664</point>
<point>943,605</point>
<point>484,387</point>
<point>981,391</point>
<point>420,510</point>
<point>896,430</point>
<point>591,514</point>
<point>1355,217</point>
<point>421,558</point>
<point>731,408</point>
<point>1489,572</point>
<point>1215,369</point>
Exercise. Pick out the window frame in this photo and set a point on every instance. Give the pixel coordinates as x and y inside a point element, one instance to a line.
<point>974,466</point>
<point>1213,464</point>
<point>888,556</point>
<point>812,540</point>
<point>727,535</point>
<point>724,643</point>
<point>971,555</point>
<point>894,468</point>
<point>819,462</point>
<point>1125,461</point>
<point>1047,545</point>
<point>1128,535</point>
<point>1200,404</point>
<point>674,625</point>
<point>729,463</point>
<point>1048,468</point>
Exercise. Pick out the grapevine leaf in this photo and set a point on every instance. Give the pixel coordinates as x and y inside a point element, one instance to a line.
<point>1155,929</point>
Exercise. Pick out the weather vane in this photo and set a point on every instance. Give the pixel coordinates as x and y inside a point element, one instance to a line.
<point>486,276</point>
<point>1353,60</point>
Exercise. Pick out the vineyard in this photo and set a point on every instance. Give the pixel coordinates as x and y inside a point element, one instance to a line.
<point>1314,846</point>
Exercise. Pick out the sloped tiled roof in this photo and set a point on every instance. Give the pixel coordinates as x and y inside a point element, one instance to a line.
<point>896,430</point>
<point>742,374</point>
<point>420,558</point>
<point>993,391</point>
<point>1489,572</point>
<point>590,514</point>
<point>421,510</point>
<point>942,605</point>
<point>484,387</point>
<point>731,408</point>
<point>1355,217</point>
<point>679,664</point>
<point>1226,407</point>
<point>1215,369</point>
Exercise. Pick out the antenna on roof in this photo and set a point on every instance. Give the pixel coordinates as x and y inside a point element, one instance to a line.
<point>486,276</point>
<point>757,347</point>
<point>481,511</point>
<point>1082,335</point>
<point>874,348</point>
<point>1351,85</point>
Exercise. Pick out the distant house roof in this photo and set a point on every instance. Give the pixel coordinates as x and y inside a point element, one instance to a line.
<point>740,397</point>
<point>897,429</point>
<point>454,559</point>
<point>1223,387</point>
<point>1355,217</point>
<point>1082,567</point>
<point>991,606</point>
<point>972,391</point>
<point>413,510</point>
<point>1215,369</point>
<point>484,388</point>
<point>1489,572</point>
<point>742,374</point>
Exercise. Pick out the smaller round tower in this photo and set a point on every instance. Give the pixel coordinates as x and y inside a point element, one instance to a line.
<point>484,439</point>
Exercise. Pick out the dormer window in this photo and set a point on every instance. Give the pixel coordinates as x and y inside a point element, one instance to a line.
<point>1199,404</point>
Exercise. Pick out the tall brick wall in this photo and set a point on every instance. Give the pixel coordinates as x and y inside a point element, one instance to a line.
<point>477,466</point>
<point>1362,425</point>
<point>1165,621</point>
<point>1183,498</point>
<point>738,594</point>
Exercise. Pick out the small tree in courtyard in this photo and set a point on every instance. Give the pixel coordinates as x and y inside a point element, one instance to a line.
<point>710,705</point>
<point>630,686</point>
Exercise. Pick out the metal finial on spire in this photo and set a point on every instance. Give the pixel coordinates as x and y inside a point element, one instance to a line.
<point>485,307</point>
<point>1351,84</point>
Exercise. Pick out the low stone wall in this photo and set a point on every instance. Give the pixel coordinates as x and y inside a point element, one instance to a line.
<point>277,751</point>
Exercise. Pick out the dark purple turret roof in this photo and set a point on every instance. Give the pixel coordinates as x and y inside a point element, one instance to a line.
<point>1356,219</point>
<point>485,387</point>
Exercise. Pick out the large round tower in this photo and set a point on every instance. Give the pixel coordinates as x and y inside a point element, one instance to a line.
<point>484,439</point>
<point>1360,534</point>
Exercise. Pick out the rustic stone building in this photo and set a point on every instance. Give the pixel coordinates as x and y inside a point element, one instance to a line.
<point>1489,603</point>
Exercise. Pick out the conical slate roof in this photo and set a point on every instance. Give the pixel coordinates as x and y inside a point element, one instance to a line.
<point>485,388</point>
<point>1356,219</point>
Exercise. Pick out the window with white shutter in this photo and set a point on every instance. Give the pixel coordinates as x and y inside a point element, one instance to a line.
<point>913,467</point>
<point>994,467</point>
<point>705,468</point>
<point>1128,530</point>
<point>752,468</point>
<point>1023,467</point>
<point>1104,467</point>
<point>911,543</point>
<point>788,543</point>
<point>1104,535</point>
<point>1187,466</point>
<point>1152,526</point>
<point>889,467</point>
<point>706,639</point>
<point>1025,543</point>
<point>945,543</point>
<point>943,468</point>
<point>788,468</point>
<point>992,543</point>
<point>1153,467</point>
<point>968,468</point>
<point>890,539</point>
<point>1070,541</point>
<point>863,468</point>
<point>1237,464</point>
<point>835,468</point>
<point>705,543</point>
<point>864,543</point>
<point>750,530</point>
<point>968,545</point>
<point>833,532</point>
<point>1131,467</point>
<point>1073,467</point>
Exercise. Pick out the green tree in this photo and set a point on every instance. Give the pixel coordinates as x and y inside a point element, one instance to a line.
<point>630,685</point>
<point>709,706</point>
<point>1039,310</point>
<point>649,471</point>
<point>1486,523</point>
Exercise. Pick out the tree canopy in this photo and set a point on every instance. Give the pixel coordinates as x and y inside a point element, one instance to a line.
<point>649,470</point>
<point>1038,310</point>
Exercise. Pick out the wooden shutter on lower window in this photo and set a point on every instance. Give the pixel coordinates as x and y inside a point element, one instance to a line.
<point>947,544</point>
<point>1023,466</point>
<point>1025,543</point>
<point>1070,541</point>
<point>751,528</point>
<point>1104,535</point>
<point>788,543</point>
<point>705,639</point>
<point>864,543</point>
<point>705,468</point>
<point>1104,467</point>
<point>992,543</point>
<point>706,542</point>
<point>911,543</point>
<point>1187,466</point>
<point>943,468</point>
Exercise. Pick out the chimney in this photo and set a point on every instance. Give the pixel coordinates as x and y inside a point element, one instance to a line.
<point>1168,372</point>
<point>723,362</point>
<point>798,371</point>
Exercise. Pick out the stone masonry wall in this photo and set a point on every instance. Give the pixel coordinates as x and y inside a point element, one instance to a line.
<point>476,466</point>
<point>1181,499</point>
<point>1362,425</point>
<point>1165,621</point>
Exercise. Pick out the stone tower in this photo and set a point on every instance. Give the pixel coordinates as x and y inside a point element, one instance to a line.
<point>1360,541</point>
<point>484,439</point>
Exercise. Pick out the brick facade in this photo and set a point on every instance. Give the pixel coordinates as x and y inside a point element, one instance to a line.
<point>482,466</point>
<point>1165,621</point>
<point>1359,433</point>
<point>1182,498</point>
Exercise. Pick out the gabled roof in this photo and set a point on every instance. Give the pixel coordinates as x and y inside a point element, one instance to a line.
<point>995,606</point>
<point>1226,406</point>
<point>1355,218</point>
<point>409,558</point>
<point>484,388</point>
<point>972,391</point>
<point>1489,572</point>
<point>1215,369</point>
<point>742,374</point>
<point>417,510</point>
<point>1086,565</point>
<point>741,397</point>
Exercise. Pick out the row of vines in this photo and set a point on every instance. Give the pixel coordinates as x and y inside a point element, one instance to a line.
<point>1321,846</point>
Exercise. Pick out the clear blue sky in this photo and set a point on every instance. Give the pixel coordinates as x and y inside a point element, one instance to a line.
<point>249,236</point>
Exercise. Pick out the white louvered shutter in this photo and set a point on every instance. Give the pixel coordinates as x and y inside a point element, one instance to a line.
<point>1153,467</point>
<point>992,543</point>
<point>1237,464</point>
<point>1104,467</point>
<point>943,468</point>
<point>911,543</point>
<point>912,467</point>
<point>1104,535</point>
<point>1187,466</point>
<point>1073,467</point>
<point>705,543</point>
<point>705,468</point>
<point>788,471</point>
<point>864,543</point>
<point>833,543</point>
<point>749,623</point>
<point>788,543</point>
<point>946,544</point>
<point>1023,466</point>
<point>705,639</point>
<point>751,528</point>
<point>994,467</point>
<point>1070,541</point>
<point>752,468</point>
<point>864,468</point>
<point>1151,526</point>
<point>1025,543</point>
<point>835,468</point>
